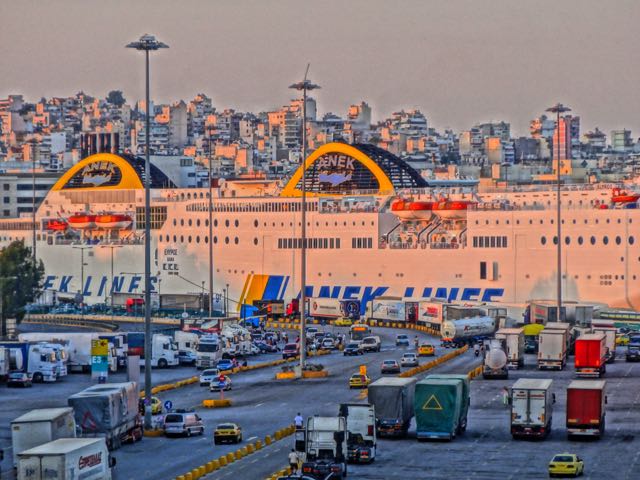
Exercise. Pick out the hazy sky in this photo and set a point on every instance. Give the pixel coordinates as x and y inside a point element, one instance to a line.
<point>459,61</point>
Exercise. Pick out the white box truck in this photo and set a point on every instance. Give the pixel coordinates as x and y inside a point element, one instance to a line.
<point>609,341</point>
<point>552,349</point>
<point>67,459</point>
<point>325,447</point>
<point>514,345</point>
<point>41,426</point>
<point>361,431</point>
<point>531,408</point>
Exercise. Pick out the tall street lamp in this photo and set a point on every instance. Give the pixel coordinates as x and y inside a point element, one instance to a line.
<point>112,247</point>
<point>210,207</point>
<point>33,198</point>
<point>558,109</point>
<point>146,44</point>
<point>303,86</point>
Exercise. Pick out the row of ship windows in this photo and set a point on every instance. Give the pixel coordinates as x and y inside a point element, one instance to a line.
<point>204,239</point>
<point>323,243</point>
<point>593,240</point>
<point>227,223</point>
<point>251,207</point>
<point>490,242</point>
<point>551,221</point>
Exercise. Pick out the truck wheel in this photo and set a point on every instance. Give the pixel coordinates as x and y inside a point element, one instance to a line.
<point>38,377</point>
<point>162,363</point>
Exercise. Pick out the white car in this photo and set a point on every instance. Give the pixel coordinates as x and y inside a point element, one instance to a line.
<point>328,344</point>
<point>209,375</point>
<point>409,360</point>
<point>215,386</point>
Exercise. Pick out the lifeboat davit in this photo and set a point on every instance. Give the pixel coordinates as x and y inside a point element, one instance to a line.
<point>622,196</point>
<point>412,210</point>
<point>82,221</point>
<point>113,221</point>
<point>57,225</point>
<point>452,209</point>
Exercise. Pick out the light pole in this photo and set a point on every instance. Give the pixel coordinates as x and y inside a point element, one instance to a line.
<point>303,86</point>
<point>33,198</point>
<point>112,247</point>
<point>146,44</point>
<point>210,128</point>
<point>558,109</point>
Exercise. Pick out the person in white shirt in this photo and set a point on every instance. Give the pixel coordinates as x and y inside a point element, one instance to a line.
<point>298,421</point>
<point>293,461</point>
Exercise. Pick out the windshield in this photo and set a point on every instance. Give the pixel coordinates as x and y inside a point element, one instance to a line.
<point>173,418</point>
<point>210,372</point>
<point>562,458</point>
<point>226,426</point>
<point>207,347</point>
<point>352,345</point>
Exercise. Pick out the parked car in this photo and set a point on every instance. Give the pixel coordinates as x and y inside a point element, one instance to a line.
<point>390,366</point>
<point>633,354</point>
<point>209,375</point>
<point>183,423</point>
<point>359,381</point>
<point>19,379</point>
<point>352,349</point>
<point>215,385</point>
<point>224,364</point>
<point>328,344</point>
<point>227,432</point>
<point>409,360</point>
<point>402,340</point>
<point>343,322</point>
<point>266,348</point>
<point>290,350</point>
<point>565,464</point>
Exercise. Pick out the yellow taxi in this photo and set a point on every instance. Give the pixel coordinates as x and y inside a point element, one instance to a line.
<point>426,350</point>
<point>564,464</point>
<point>359,381</point>
<point>343,322</point>
<point>156,406</point>
<point>622,339</point>
<point>227,432</point>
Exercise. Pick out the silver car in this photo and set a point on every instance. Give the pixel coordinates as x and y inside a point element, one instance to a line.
<point>409,360</point>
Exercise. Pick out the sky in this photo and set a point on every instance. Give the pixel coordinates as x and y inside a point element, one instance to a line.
<point>459,61</point>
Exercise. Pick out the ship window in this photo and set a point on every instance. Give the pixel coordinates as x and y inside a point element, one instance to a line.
<point>215,239</point>
<point>493,242</point>
<point>255,241</point>
<point>580,240</point>
<point>226,223</point>
<point>182,222</point>
<point>605,240</point>
<point>475,242</point>
<point>567,240</point>
<point>206,239</point>
<point>483,270</point>
<point>197,222</point>
<point>197,238</point>
<point>555,240</point>
<point>174,238</point>
<point>215,223</point>
<point>206,223</point>
<point>337,243</point>
<point>190,222</point>
<point>331,243</point>
<point>226,240</point>
<point>543,240</point>
<point>237,223</point>
<point>181,238</point>
<point>631,240</point>
<point>236,240</point>
<point>255,223</point>
<point>618,240</point>
<point>175,222</point>
<point>190,238</point>
<point>499,242</point>
<point>593,240</point>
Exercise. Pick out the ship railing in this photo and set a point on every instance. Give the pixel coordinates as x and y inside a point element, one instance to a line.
<point>87,242</point>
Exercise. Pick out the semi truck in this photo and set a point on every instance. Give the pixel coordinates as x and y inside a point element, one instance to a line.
<point>466,395</point>
<point>586,402</point>
<point>334,308</point>
<point>438,406</point>
<point>77,347</point>
<point>610,341</point>
<point>187,343</point>
<point>393,399</point>
<point>118,345</point>
<point>67,459</point>
<point>325,452</point>
<point>41,426</point>
<point>565,328</point>
<point>591,355</point>
<point>37,360</point>
<point>108,410</point>
<point>494,364</point>
<point>208,351</point>
<point>513,339</point>
<point>552,349</point>
<point>164,352</point>
<point>388,309</point>
<point>531,408</point>
<point>465,330</point>
<point>361,431</point>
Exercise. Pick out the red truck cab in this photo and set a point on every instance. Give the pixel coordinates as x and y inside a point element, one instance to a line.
<point>591,355</point>
<point>586,401</point>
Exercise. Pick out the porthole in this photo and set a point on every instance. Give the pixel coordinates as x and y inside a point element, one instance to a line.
<point>631,240</point>
<point>236,223</point>
<point>190,222</point>
<point>580,240</point>
<point>181,238</point>
<point>182,222</point>
<point>255,223</point>
<point>215,223</point>
<point>206,223</point>
<point>543,240</point>
<point>567,240</point>
<point>618,240</point>
<point>206,239</point>
<point>175,222</point>
<point>215,239</point>
<point>255,241</point>
<point>593,240</point>
<point>197,238</point>
<point>605,240</point>
<point>197,222</point>
<point>226,240</point>
<point>555,240</point>
<point>236,240</point>
<point>226,222</point>
<point>189,238</point>
<point>174,239</point>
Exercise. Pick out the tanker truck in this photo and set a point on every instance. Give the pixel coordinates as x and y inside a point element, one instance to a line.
<point>495,361</point>
<point>456,333</point>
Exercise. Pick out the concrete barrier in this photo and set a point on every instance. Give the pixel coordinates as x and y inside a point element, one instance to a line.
<point>315,374</point>
<point>153,433</point>
<point>217,403</point>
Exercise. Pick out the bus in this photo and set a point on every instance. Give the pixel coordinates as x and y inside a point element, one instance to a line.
<point>358,331</point>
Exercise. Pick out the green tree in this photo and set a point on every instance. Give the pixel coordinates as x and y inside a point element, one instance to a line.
<point>20,281</point>
<point>116,98</point>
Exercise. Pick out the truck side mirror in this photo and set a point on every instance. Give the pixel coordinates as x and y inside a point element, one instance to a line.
<point>553,397</point>
<point>112,462</point>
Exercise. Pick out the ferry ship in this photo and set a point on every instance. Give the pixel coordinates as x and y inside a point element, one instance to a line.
<point>375,227</point>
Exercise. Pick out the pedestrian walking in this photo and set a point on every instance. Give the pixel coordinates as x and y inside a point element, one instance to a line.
<point>506,397</point>
<point>298,421</point>
<point>293,461</point>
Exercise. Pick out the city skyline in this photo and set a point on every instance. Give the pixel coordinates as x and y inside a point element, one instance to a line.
<point>458,62</point>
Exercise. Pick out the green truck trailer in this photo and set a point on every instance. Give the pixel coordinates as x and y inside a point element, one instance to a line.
<point>466,395</point>
<point>437,407</point>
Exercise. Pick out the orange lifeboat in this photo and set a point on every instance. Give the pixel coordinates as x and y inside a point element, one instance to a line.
<point>452,209</point>
<point>113,221</point>
<point>57,225</point>
<point>622,196</point>
<point>406,210</point>
<point>82,221</point>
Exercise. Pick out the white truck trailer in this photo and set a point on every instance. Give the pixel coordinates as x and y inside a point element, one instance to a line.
<point>513,339</point>
<point>531,408</point>
<point>552,349</point>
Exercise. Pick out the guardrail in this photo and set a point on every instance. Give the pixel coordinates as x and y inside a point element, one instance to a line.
<point>224,460</point>
<point>288,323</point>
<point>70,321</point>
